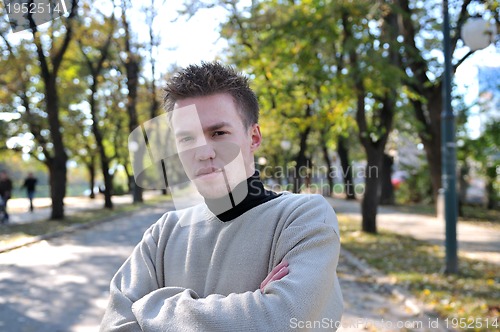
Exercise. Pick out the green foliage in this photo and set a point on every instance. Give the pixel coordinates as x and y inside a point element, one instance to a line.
<point>417,188</point>
<point>120,189</point>
<point>484,153</point>
<point>290,51</point>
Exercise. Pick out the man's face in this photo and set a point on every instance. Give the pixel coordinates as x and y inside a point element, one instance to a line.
<point>215,148</point>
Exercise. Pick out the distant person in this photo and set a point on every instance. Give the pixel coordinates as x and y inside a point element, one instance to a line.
<point>30,185</point>
<point>5,194</point>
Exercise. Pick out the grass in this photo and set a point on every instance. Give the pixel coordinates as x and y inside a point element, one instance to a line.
<point>18,233</point>
<point>472,213</point>
<point>417,266</point>
<point>477,213</point>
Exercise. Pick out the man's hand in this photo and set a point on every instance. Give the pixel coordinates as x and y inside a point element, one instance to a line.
<point>277,273</point>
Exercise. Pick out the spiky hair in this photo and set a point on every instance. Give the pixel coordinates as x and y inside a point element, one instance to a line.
<point>211,78</point>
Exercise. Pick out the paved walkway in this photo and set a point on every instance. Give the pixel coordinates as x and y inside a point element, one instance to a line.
<point>19,207</point>
<point>476,241</point>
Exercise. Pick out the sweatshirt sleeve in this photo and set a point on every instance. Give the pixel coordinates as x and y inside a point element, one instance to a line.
<point>135,278</point>
<point>310,292</point>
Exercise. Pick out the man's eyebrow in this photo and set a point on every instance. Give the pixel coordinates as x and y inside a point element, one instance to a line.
<point>218,126</point>
<point>213,127</point>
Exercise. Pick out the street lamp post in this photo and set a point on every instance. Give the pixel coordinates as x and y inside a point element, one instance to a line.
<point>477,34</point>
<point>286,145</point>
<point>448,151</point>
<point>262,161</point>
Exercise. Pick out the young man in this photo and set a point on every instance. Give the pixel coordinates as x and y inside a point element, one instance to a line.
<point>30,185</point>
<point>5,194</point>
<point>261,261</point>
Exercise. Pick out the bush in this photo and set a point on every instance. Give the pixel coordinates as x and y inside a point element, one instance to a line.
<point>417,188</point>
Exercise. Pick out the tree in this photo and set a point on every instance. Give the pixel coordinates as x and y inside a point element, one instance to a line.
<point>376,102</point>
<point>485,150</point>
<point>131,63</point>
<point>154,41</point>
<point>95,46</point>
<point>386,196</point>
<point>294,69</point>
<point>343,153</point>
<point>49,51</point>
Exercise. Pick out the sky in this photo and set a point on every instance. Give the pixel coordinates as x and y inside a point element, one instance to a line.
<point>184,42</point>
<point>468,85</point>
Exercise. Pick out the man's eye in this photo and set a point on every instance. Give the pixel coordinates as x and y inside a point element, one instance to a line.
<point>219,133</point>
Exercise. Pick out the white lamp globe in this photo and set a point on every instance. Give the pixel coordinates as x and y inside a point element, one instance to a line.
<point>286,145</point>
<point>478,33</point>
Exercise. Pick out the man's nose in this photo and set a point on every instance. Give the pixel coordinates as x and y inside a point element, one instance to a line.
<point>205,152</point>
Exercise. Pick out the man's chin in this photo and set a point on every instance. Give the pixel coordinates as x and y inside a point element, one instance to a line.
<point>211,187</point>
<point>212,192</point>
<point>215,185</point>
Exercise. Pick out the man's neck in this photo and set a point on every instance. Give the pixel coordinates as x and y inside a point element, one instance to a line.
<point>256,194</point>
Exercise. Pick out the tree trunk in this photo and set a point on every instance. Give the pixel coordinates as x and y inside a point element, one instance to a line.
<point>328,162</point>
<point>91,169</point>
<point>343,153</point>
<point>491,174</point>
<point>462,188</point>
<point>132,69</point>
<point>386,188</point>
<point>301,160</point>
<point>95,67</point>
<point>431,136</point>
<point>108,184</point>
<point>369,205</point>
<point>58,163</point>
<point>57,175</point>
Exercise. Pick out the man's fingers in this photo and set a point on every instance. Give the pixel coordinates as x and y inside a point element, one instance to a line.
<point>281,273</point>
<point>276,269</point>
<point>279,267</point>
<point>273,272</point>
<point>277,273</point>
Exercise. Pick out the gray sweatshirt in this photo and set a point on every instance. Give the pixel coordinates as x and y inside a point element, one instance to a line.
<point>192,272</point>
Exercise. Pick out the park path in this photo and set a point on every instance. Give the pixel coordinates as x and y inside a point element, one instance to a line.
<point>477,241</point>
<point>19,207</point>
<point>61,285</point>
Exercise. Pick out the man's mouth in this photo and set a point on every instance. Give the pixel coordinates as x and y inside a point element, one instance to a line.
<point>207,171</point>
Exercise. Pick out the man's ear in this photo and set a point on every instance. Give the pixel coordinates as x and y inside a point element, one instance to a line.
<point>256,137</point>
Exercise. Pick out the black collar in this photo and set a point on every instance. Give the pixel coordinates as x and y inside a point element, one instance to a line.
<point>257,195</point>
